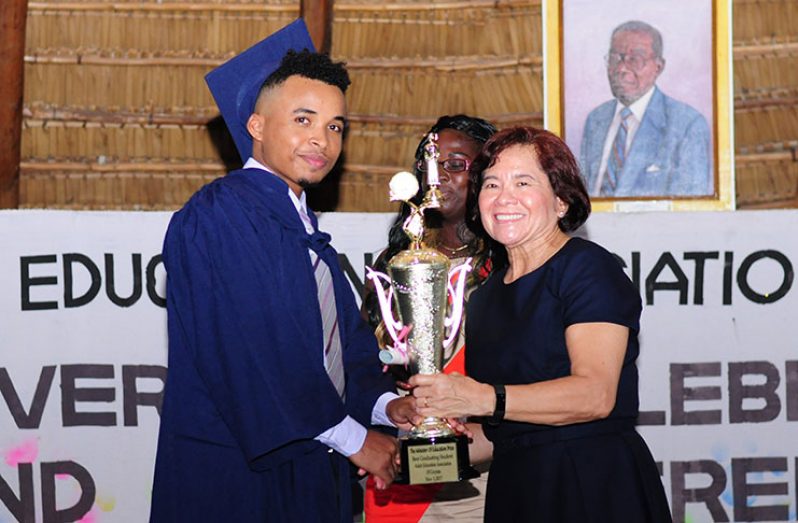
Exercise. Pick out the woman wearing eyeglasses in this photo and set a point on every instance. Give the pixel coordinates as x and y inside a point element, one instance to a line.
<point>460,139</point>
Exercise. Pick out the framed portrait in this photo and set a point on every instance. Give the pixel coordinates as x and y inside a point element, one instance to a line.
<point>641,92</point>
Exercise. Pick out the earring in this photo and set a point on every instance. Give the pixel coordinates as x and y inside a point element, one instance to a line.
<point>561,214</point>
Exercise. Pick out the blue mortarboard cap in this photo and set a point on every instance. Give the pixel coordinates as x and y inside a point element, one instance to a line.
<point>235,84</point>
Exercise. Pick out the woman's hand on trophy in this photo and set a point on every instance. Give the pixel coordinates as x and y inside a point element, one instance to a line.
<point>452,395</point>
<point>460,428</point>
<point>403,412</point>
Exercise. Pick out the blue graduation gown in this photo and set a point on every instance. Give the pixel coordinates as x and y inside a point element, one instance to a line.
<point>247,391</point>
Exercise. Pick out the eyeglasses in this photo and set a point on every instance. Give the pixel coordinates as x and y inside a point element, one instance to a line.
<point>451,165</point>
<point>633,61</point>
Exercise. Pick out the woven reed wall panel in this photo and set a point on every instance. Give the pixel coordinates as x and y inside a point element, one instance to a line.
<point>765,125</point>
<point>117,86</point>
<point>116,142</point>
<point>151,30</point>
<point>432,93</point>
<point>766,102</point>
<point>90,62</point>
<point>135,188</point>
<point>764,19</point>
<point>424,31</point>
<point>766,71</point>
<point>383,144</point>
<point>767,184</point>
<point>104,5</point>
<point>366,190</point>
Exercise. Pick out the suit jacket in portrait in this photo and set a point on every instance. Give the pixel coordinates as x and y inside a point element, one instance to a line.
<point>669,154</point>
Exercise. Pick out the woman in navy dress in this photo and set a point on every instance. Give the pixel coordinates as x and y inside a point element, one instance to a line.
<point>552,343</point>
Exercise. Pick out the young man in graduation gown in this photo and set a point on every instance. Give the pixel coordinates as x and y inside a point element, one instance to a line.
<point>273,378</point>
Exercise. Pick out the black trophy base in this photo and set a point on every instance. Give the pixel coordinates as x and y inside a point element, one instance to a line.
<point>435,460</point>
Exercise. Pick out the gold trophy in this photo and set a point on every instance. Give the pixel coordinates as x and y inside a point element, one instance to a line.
<point>419,282</point>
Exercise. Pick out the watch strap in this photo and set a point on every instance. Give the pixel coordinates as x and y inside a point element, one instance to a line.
<point>501,402</point>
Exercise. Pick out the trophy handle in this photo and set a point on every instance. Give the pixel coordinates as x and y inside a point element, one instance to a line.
<point>393,327</point>
<point>457,295</point>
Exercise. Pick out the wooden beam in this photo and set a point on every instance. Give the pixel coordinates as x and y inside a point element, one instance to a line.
<point>149,7</point>
<point>318,17</point>
<point>112,57</point>
<point>756,50</point>
<point>200,116</point>
<point>247,6</point>
<point>13,15</point>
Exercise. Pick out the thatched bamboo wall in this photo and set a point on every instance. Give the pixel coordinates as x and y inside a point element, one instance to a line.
<point>117,114</point>
<point>766,102</point>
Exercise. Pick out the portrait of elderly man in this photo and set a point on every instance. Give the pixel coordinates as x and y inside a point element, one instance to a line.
<point>643,142</point>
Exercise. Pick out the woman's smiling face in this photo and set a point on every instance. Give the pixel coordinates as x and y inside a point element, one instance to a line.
<point>516,201</point>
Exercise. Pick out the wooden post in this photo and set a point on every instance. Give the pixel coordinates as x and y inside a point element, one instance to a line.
<point>318,18</point>
<point>13,14</point>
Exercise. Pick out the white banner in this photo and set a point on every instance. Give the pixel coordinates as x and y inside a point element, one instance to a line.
<point>83,356</point>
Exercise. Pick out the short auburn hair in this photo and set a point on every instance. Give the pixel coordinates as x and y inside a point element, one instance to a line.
<point>555,159</point>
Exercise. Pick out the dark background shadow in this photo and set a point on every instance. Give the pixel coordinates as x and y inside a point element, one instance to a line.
<point>224,144</point>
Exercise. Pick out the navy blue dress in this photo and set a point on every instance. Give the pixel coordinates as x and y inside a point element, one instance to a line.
<point>599,471</point>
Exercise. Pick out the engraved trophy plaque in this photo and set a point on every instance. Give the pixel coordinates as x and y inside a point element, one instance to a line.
<point>419,285</point>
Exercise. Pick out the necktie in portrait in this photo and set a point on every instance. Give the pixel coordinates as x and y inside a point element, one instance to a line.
<point>617,155</point>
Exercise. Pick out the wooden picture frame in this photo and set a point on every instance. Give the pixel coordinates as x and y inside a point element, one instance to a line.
<point>684,134</point>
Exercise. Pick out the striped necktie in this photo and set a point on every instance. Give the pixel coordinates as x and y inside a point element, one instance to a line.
<point>617,155</point>
<point>333,358</point>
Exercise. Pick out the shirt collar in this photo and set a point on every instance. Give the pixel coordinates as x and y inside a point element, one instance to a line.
<point>300,202</point>
<point>638,107</point>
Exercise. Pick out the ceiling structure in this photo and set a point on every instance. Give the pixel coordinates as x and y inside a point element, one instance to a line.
<point>116,114</point>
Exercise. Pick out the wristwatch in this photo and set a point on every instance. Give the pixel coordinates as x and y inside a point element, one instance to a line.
<point>501,401</point>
